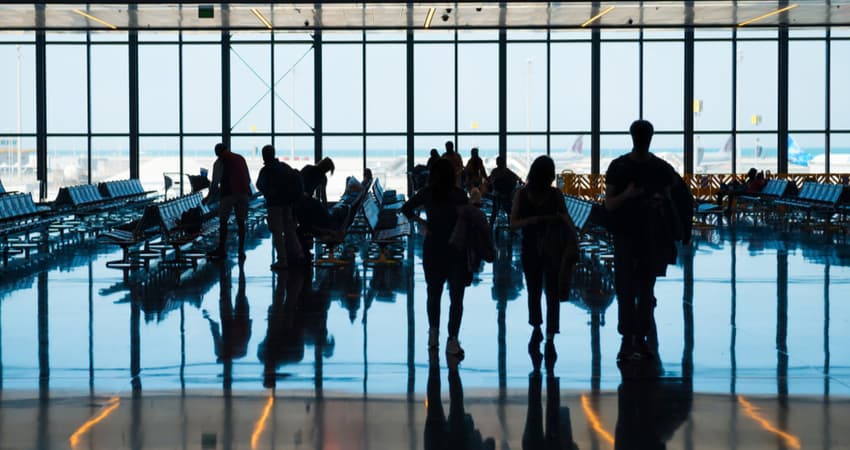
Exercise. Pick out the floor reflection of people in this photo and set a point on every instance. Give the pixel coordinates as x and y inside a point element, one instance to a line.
<point>558,432</point>
<point>297,318</point>
<point>650,411</point>
<point>457,432</point>
<point>232,335</point>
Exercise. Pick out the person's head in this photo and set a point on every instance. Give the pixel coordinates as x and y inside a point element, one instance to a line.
<point>435,153</point>
<point>441,178</point>
<point>367,174</point>
<point>220,149</point>
<point>541,174</point>
<point>450,147</point>
<point>500,162</point>
<point>326,165</point>
<point>474,152</point>
<point>268,153</point>
<point>641,131</point>
<point>751,174</point>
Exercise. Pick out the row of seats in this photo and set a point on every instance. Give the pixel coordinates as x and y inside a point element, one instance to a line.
<point>17,206</point>
<point>78,196</point>
<point>121,188</point>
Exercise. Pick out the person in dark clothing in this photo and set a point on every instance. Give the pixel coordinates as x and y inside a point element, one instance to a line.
<point>637,198</point>
<point>456,160</point>
<point>435,155</point>
<point>536,207</point>
<point>474,172</point>
<point>442,262</point>
<point>281,187</point>
<point>231,182</point>
<point>503,183</point>
<point>315,179</point>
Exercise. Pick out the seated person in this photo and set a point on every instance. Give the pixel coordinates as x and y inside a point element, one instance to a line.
<point>314,220</point>
<point>756,185</point>
<point>735,187</point>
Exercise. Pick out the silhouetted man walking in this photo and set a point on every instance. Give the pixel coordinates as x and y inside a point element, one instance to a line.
<point>637,198</point>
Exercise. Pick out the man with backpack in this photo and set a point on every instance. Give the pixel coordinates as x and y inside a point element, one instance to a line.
<point>282,187</point>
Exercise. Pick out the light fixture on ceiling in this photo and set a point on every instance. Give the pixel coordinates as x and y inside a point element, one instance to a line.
<point>100,21</point>
<point>262,18</point>
<point>429,17</point>
<point>597,17</point>
<point>765,16</point>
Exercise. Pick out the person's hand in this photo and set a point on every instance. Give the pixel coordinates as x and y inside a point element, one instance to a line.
<point>632,191</point>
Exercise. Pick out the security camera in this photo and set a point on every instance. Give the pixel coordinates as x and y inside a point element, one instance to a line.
<point>478,9</point>
<point>445,17</point>
<point>306,23</point>
<point>448,10</point>
<point>630,21</point>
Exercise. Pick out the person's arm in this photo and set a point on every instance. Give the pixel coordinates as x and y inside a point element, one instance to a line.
<point>261,180</point>
<point>215,183</point>
<point>323,194</point>
<point>518,221</point>
<point>615,202</point>
<point>417,201</point>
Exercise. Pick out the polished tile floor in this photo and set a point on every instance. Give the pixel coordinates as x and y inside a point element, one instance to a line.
<point>753,328</point>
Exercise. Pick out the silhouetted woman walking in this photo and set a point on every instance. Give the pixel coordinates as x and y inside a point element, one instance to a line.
<point>537,206</point>
<point>441,262</point>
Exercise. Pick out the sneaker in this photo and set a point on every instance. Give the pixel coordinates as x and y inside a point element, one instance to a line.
<point>280,265</point>
<point>454,349</point>
<point>433,338</point>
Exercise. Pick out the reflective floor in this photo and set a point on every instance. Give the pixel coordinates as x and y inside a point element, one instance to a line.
<point>752,328</point>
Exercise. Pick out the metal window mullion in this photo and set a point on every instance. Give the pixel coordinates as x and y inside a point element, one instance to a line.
<point>273,84</point>
<point>827,103</point>
<point>317,94</point>
<point>225,87</point>
<point>88,107</point>
<point>410,105</point>
<point>595,90</point>
<point>133,44</point>
<point>181,137</point>
<point>734,101</point>
<point>503,91</point>
<point>41,109</point>
<point>457,94</point>
<point>548,91</point>
<point>640,74</point>
<point>688,100</point>
<point>363,96</point>
<point>782,97</point>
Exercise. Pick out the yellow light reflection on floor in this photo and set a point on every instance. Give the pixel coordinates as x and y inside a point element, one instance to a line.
<point>261,423</point>
<point>113,404</point>
<point>751,411</point>
<point>593,418</point>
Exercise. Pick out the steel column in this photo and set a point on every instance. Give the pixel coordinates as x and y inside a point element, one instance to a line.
<point>595,92</point>
<point>41,107</point>
<point>503,93</point>
<point>688,107</point>
<point>134,104</point>
<point>782,103</point>
<point>317,94</point>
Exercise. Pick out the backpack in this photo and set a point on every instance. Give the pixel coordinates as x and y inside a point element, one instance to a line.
<point>292,186</point>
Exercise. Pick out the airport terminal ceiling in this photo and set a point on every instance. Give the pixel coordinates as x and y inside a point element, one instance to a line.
<point>394,15</point>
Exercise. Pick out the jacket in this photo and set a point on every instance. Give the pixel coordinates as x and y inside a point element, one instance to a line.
<point>472,237</point>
